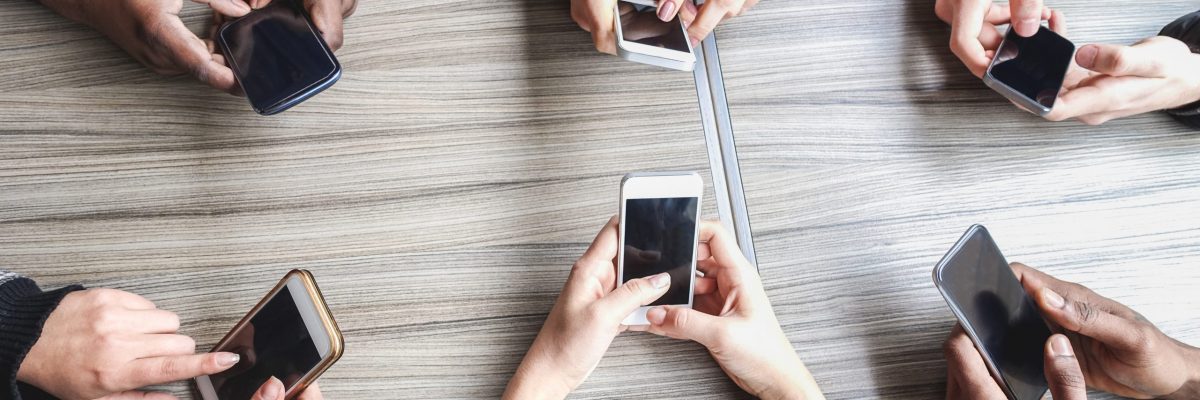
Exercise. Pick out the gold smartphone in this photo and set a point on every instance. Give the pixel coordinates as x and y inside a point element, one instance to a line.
<point>290,334</point>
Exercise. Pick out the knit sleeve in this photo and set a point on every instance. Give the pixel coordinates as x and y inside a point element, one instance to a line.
<point>1187,30</point>
<point>23,309</point>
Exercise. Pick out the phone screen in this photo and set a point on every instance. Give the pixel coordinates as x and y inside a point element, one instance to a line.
<point>640,24</point>
<point>660,235</point>
<point>979,282</point>
<point>1034,66</point>
<point>276,53</point>
<point>275,342</point>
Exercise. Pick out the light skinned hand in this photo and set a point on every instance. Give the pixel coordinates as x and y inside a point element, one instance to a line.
<point>974,37</point>
<point>1119,350</point>
<point>273,390</point>
<point>596,17</point>
<point>1114,81</point>
<point>583,322</point>
<point>967,376</point>
<point>733,319</point>
<point>711,13</point>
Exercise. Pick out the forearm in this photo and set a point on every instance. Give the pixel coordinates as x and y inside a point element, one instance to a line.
<point>1191,388</point>
<point>796,383</point>
<point>536,378</point>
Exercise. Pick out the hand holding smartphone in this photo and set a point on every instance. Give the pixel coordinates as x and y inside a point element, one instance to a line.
<point>1030,71</point>
<point>643,38</point>
<point>658,232</point>
<point>993,308</point>
<point>289,335</point>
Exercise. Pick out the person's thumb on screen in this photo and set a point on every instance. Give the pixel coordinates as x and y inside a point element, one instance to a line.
<point>626,298</point>
<point>1062,370</point>
<point>272,389</point>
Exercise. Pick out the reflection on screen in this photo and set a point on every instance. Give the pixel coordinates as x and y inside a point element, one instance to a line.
<point>1034,66</point>
<point>640,23</point>
<point>659,237</point>
<point>276,54</point>
<point>274,343</point>
<point>1002,316</point>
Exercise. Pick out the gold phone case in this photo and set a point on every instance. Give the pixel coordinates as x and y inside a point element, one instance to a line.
<point>335,335</point>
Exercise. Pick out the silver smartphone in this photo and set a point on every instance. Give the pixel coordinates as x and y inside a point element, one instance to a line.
<point>659,229</point>
<point>993,308</point>
<point>643,38</point>
<point>1029,71</point>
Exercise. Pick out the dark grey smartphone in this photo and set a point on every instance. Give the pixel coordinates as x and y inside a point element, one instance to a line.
<point>1030,70</point>
<point>278,57</point>
<point>997,314</point>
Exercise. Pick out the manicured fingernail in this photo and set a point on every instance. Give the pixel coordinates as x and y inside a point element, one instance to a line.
<point>661,280</point>
<point>656,315</point>
<point>1028,25</point>
<point>1086,56</point>
<point>271,389</point>
<point>664,12</point>
<point>1060,346</point>
<point>228,359</point>
<point>1053,299</point>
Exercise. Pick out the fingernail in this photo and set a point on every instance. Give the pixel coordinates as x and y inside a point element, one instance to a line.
<point>664,12</point>
<point>695,42</point>
<point>1086,56</point>
<point>1028,25</point>
<point>1053,299</point>
<point>228,359</point>
<point>661,280</point>
<point>241,5</point>
<point>1060,346</point>
<point>656,315</point>
<point>271,389</point>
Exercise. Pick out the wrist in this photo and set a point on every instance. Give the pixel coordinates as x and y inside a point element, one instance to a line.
<point>535,379</point>
<point>794,383</point>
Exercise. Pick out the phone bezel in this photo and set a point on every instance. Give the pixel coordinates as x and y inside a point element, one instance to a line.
<point>323,329</point>
<point>651,55</point>
<point>1015,95</point>
<point>298,96</point>
<point>958,313</point>
<point>657,185</point>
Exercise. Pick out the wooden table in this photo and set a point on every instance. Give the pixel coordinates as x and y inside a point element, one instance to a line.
<point>442,189</point>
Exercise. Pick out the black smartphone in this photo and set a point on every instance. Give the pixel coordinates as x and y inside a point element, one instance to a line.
<point>1030,70</point>
<point>997,314</point>
<point>278,57</point>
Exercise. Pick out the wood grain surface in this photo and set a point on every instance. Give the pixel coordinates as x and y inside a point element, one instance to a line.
<point>442,189</point>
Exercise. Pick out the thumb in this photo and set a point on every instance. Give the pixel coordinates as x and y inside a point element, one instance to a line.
<point>1062,370</point>
<point>1114,60</point>
<point>685,323</point>
<point>635,293</point>
<point>272,389</point>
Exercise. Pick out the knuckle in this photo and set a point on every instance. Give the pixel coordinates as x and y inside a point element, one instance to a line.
<point>106,378</point>
<point>1070,378</point>
<point>1086,312</point>
<point>679,319</point>
<point>170,367</point>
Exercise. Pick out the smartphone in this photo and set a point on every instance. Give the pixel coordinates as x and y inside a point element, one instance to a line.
<point>643,38</point>
<point>1029,71</point>
<point>290,335</point>
<point>659,228</point>
<point>997,314</point>
<point>279,59</point>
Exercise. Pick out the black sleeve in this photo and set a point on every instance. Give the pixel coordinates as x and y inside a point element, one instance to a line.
<point>1187,30</point>
<point>23,309</point>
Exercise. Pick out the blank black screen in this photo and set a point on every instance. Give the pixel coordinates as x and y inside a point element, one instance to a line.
<point>274,343</point>
<point>276,53</point>
<point>979,281</point>
<point>1034,66</point>
<point>660,235</point>
<point>640,23</point>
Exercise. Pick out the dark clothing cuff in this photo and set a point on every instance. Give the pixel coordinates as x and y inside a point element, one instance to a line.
<point>23,309</point>
<point>1187,30</point>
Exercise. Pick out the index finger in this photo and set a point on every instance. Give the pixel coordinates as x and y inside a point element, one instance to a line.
<point>964,363</point>
<point>186,50</point>
<point>327,18</point>
<point>965,28</point>
<point>159,370</point>
<point>1034,281</point>
<point>710,14</point>
<point>232,8</point>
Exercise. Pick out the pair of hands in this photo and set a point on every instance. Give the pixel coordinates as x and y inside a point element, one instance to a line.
<point>105,344</point>
<point>596,17</point>
<point>732,318</point>
<point>1103,344</point>
<point>152,32</point>
<point>1105,82</point>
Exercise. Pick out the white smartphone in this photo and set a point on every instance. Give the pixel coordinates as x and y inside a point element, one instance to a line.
<point>643,38</point>
<point>290,335</point>
<point>659,228</point>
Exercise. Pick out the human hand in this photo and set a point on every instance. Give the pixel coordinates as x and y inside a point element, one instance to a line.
<point>103,342</point>
<point>327,16</point>
<point>967,377</point>
<point>1119,350</point>
<point>1118,81</point>
<point>583,322</point>
<point>272,389</point>
<point>734,320</point>
<point>701,23</point>
<point>973,34</point>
